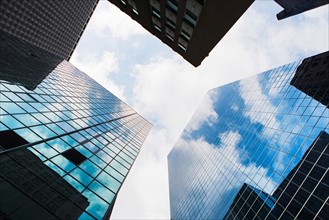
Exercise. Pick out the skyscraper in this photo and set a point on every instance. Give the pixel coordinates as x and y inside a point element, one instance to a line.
<point>186,26</point>
<point>304,192</point>
<point>314,71</point>
<point>249,203</point>
<point>294,7</point>
<point>250,135</point>
<point>54,26</point>
<point>65,148</point>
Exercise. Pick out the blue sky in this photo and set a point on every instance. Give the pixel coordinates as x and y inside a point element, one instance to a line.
<point>138,68</point>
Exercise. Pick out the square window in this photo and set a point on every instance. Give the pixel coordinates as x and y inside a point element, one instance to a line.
<point>74,156</point>
<point>10,139</point>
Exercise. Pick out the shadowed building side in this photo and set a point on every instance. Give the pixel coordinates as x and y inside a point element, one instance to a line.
<point>312,77</point>
<point>55,26</point>
<point>192,28</point>
<point>31,190</point>
<point>23,63</point>
<point>294,7</point>
<point>304,192</point>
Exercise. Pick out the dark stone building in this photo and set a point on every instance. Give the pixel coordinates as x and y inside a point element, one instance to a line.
<point>192,28</point>
<point>312,77</point>
<point>54,26</point>
<point>304,193</point>
<point>294,7</point>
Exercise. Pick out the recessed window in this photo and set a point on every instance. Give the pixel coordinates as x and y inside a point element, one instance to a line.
<point>74,156</point>
<point>173,5</point>
<point>157,27</point>
<point>171,23</point>
<point>190,18</point>
<point>156,12</point>
<point>169,37</point>
<point>135,11</point>
<point>182,47</point>
<point>10,139</point>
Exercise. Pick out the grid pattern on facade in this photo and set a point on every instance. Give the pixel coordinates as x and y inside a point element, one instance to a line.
<point>55,26</point>
<point>254,131</point>
<point>69,110</point>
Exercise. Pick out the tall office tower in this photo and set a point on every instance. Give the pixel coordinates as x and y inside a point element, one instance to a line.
<point>249,203</point>
<point>314,71</point>
<point>192,28</point>
<point>253,132</point>
<point>304,192</point>
<point>55,26</point>
<point>294,7</point>
<point>65,148</point>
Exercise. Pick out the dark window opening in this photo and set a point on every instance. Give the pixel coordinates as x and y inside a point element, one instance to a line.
<point>171,24</point>
<point>173,5</point>
<point>156,12</point>
<point>10,139</point>
<point>74,156</point>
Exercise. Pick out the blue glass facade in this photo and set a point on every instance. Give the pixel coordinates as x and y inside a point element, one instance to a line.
<point>66,147</point>
<point>256,132</point>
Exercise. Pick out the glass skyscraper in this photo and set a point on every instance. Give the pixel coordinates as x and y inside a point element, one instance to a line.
<point>257,147</point>
<point>66,144</point>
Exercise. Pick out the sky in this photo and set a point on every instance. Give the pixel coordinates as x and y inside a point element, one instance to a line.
<point>166,90</point>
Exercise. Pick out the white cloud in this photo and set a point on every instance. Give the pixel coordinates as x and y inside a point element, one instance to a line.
<point>255,100</point>
<point>205,112</point>
<point>145,193</point>
<point>100,67</point>
<point>167,90</point>
<point>109,20</point>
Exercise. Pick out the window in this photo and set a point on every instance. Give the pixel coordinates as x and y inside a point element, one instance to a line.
<point>173,5</point>
<point>10,139</point>
<point>74,156</point>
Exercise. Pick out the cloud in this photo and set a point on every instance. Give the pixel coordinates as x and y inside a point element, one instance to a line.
<point>167,90</point>
<point>145,193</point>
<point>255,100</point>
<point>109,20</point>
<point>100,67</point>
<point>205,112</point>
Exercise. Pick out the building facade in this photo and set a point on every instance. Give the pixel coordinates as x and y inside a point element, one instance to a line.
<point>304,192</point>
<point>294,7</point>
<point>66,147</point>
<point>254,132</point>
<point>54,26</point>
<point>249,203</point>
<point>314,71</point>
<point>186,26</point>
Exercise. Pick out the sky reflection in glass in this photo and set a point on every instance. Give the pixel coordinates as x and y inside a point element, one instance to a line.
<point>70,110</point>
<point>252,131</point>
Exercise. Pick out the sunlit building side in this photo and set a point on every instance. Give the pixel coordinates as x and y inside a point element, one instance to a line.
<point>248,142</point>
<point>66,147</point>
